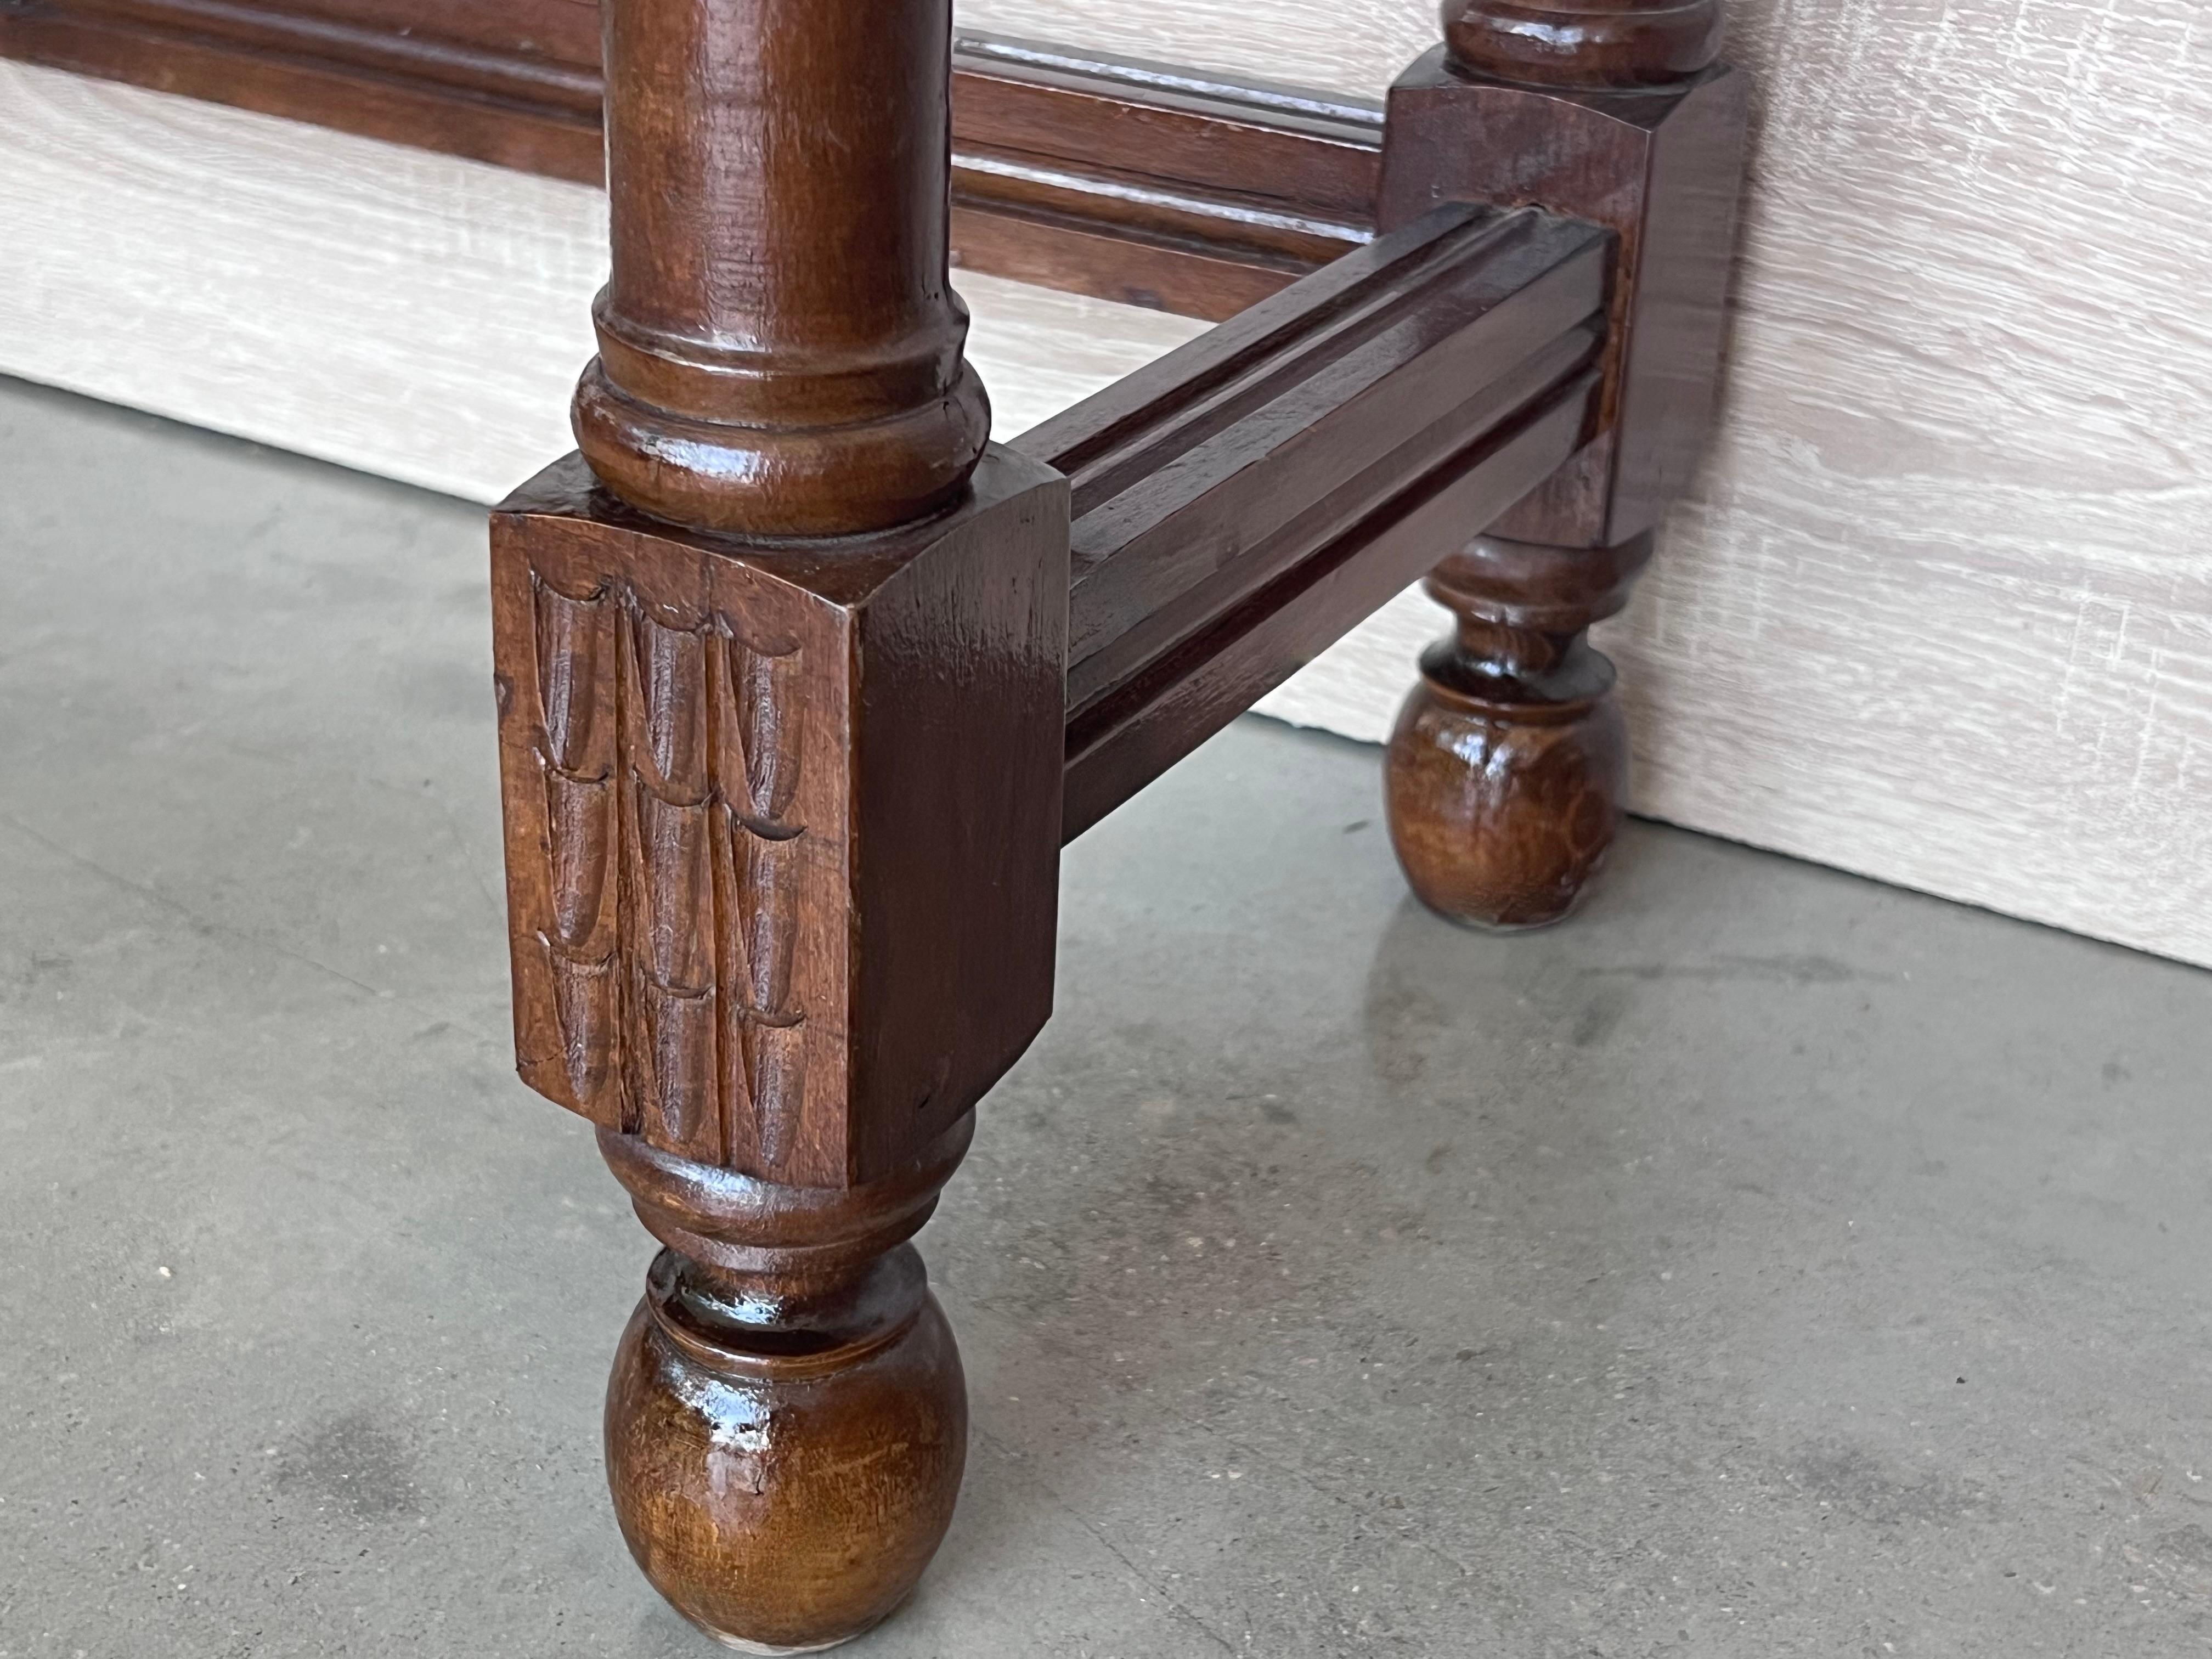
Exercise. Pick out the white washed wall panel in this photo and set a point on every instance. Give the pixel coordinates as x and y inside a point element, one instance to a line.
<point>1343,45</point>
<point>1942,611</point>
<point>404,312</point>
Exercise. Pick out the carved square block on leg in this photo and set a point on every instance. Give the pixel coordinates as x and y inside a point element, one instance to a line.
<point>783,827</point>
<point>783,820</point>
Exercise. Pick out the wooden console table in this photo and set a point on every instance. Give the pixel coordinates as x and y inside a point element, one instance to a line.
<point>802,683</point>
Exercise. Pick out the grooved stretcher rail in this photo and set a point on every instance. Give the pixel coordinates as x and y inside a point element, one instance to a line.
<point>802,683</point>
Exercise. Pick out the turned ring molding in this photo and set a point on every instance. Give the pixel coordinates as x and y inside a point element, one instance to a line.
<point>1588,44</point>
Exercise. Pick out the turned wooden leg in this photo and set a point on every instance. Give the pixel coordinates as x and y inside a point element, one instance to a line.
<point>1509,767</point>
<point>782,843</point>
<point>1508,771</point>
<point>782,657</point>
<point>786,1419</point>
<point>1584,43</point>
<point>781,667</point>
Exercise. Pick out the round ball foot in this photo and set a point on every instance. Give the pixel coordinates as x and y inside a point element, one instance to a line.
<point>785,1463</point>
<point>1502,812</point>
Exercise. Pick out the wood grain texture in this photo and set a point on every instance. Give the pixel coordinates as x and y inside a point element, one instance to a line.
<point>1584,43</point>
<point>1508,770</point>
<point>1940,610</point>
<point>1144,183</point>
<point>781,661</point>
<point>781,350</point>
<point>1254,494</point>
<point>1662,169</point>
<point>387,308</point>
<point>787,1418</point>
<point>661,986</point>
<point>753,920</point>
<point>1507,773</point>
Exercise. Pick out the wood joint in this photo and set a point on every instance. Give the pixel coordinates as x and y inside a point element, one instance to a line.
<point>802,683</point>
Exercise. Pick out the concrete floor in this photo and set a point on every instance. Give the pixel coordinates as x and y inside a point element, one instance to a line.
<point>1767,1263</point>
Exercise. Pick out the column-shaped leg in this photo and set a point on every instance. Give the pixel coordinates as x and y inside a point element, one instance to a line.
<point>1584,43</point>
<point>781,663</point>
<point>1509,768</point>
<point>1506,775</point>
<point>780,884</point>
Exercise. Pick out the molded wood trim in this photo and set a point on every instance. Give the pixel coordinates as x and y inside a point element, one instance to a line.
<point>1248,499</point>
<point>1133,181</point>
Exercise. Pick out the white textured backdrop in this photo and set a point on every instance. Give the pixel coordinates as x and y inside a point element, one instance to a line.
<point>1941,611</point>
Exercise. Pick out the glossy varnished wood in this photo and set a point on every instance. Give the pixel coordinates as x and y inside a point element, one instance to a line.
<point>405,313</point>
<point>781,656</point>
<point>782,823</point>
<point>801,683</point>
<point>1182,190</point>
<point>779,346</point>
<point>1584,43</point>
<point>1185,192</point>
<point>1246,500</point>
<point>1507,770</point>
<point>782,826</point>
<point>1662,169</point>
<point>787,1418</point>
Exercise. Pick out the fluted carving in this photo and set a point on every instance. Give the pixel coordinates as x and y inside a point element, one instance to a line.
<point>671,760</point>
<point>782,844</point>
<point>763,1032</point>
<point>781,657</point>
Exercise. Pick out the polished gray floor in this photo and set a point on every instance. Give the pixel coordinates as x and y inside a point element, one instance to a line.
<point>1767,1263</point>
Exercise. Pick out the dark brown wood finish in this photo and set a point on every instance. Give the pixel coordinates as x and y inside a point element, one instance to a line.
<point>779,346</point>
<point>1184,192</point>
<point>1584,43</point>
<point>782,822</point>
<point>1245,501</point>
<point>1508,768</point>
<point>782,831</point>
<point>781,661</point>
<point>1662,169</point>
<point>1507,774</point>
<point>801,687</point>
<point>802,683</point>
<point>728,766</point>
<point>787,1418</point>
